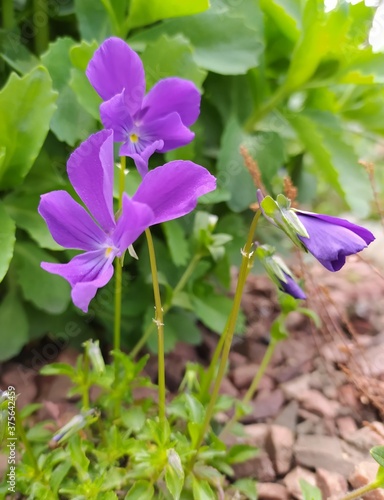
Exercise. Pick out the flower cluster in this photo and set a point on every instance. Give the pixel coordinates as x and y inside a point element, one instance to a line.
<point>158,121</point>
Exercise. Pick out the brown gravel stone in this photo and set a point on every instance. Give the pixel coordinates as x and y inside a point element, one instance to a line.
<point>279,445</point>
<point>260,468</point>
<point>316,402</point>
<point>267,404</point>
<point>331,483</point>
<point>364,439</point>
<point>256,434</point>
<point>364,473</point>
<point>292,479</point>
<point>23,380</point>
<point>294,388</point>
<point>288,415</point>
<point>272,491</point>
<point>243,375</point>
<point>228,388</point>
<point>347,426</point>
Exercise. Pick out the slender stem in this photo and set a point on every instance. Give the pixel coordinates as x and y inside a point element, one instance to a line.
<point>40,13</point>
<point>254,385</point>
<point>361,491</point>
<point>230,329</point>
<point>206,384</point>
<point>259,113</point>
<point>85,389</point>
<point>23,438</point>
<point>118,275</point>
<point>112,17</point>
<point>8,14</point>
<point>178,288</point>
<point>160,326</point>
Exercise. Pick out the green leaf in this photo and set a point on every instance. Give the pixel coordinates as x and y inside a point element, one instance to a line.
<point>59,369</point>
<point>71,122</point>
<point>322,136</point>
<point>309,492</point>
<point>232,173</point>
<point>46,291</point>
<point>241,453</point>
<point>377,453</point>
<point>133,418</point>
<point>171,57</point>
<point>14,326</point>
<point>22,208</point>
<point>224,39</point>
<point>58,474</point>
<point>141,490</point>
<point>144,13</point>
<point>247,487</point>
<point>7,240</point>
<point>286,14</point>
<point>174,474</point>
<point>15,53</point>
<point>27,105</point>
<point>94,23</point>
<point>202,490</point>
<point>176,241</point>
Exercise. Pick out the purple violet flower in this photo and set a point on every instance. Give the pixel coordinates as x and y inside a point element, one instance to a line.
<point>331,239</point>
<point>291,287</point>
<point>168,192</point>
<point>157,121</point>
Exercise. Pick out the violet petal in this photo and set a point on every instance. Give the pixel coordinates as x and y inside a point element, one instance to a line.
<point>172,189</point>
<point>69,223</point>
<point>114,67</point>
<point>140,158</point>
<point>115,115</point>
<point>292,288</point>
<point>90,170</point>
<point>170,95</point>
<point>169,129</point>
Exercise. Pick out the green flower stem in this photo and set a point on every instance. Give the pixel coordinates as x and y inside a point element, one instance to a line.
<point>118,276</point>
<point>112,17</point>
<point>160,326</point>
<point>8,14</point>
<point>178,288</point>
<point>361,491</point>
<point>207,382</point>
<point>254,385</point>
<point>23,438</point>
<point>85,386</point>
<point>259,113</point>
<point>40,10</point>
<point>230,329</point>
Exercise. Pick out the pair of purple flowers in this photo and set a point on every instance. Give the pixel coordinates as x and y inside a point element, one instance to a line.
<point>158,121</point>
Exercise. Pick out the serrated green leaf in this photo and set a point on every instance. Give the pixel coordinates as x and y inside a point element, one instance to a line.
<point>141,490</point>
<point>13,326</point>
<point>247,487</point>
<point>7,240</point>
<point>144,13</point>
<point>26,105</point>
<point>15,53</point>
<point>46,291</point>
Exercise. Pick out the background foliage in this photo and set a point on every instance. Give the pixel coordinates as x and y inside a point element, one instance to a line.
<point>300,88</point>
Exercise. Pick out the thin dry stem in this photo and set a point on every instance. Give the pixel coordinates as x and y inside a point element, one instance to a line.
<point>290,190</point>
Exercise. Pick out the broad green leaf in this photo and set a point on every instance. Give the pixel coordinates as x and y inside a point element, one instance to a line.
<point>232,173</point>
<point>58,474</point>
<point>71,122</point>
<point>364,68</point>
<point>286,14</point>
<point>94,23</point>
<point>23,210</point>
<point>213,311</point>
<point>144,13</point>
<point>48,292</point>
<point>174,474</point>
<point>336,161</point>
<point>176,241</point>
<point>222,39</point>
<point>141,490</point>
<point>309,492</point>
<point>202,490</point>
<point>247,487</point>
<point>87,96</point>
<point>377,453</point>
<point>171,57</point>
<point>7,240</point>
<point>133,418</point>
<point>13,326</point>
<point>26,105</point>
<point>241,453</point>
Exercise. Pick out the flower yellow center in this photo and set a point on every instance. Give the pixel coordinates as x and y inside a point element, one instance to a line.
<point>134,138</point>
<point>108,251</point>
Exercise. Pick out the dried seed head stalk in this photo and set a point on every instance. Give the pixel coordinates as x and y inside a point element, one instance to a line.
<point>370,169</point>
<point>253,169</point>
<point>290,190</point>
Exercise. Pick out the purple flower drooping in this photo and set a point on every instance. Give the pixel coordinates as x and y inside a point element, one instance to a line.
<point>168,192</point>
<point>157,121</point>
<point>331,239</point>
<point>291,287</point>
